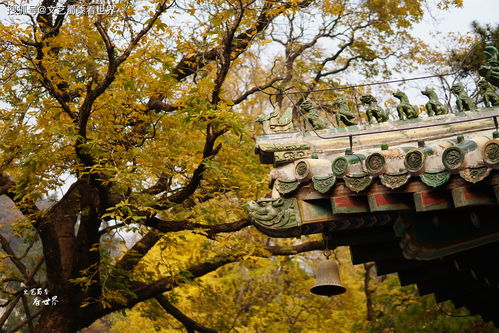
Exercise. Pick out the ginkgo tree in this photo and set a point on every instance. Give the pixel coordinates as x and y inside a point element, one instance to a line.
<point>140,116</point>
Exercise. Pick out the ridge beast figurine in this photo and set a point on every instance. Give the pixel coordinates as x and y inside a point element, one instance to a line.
<point>273,214</point>
<point>463,101</point>
<point>405,108</point>
<point>433,106</point>
<point>491,71</point>
<point>343,115</point>
<point>490,97</point>
<point>374,111</point>
<point>312,116</point>
<point>277,122</point>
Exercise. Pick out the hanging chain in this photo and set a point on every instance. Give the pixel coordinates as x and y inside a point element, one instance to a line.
<point>327,251</point>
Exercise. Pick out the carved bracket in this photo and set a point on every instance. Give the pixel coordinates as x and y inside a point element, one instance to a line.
<point>275,217</point>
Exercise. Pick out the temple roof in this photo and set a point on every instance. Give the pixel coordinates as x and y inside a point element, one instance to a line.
<point>429,149</point>
<point>418,196</point>
<point>414,196</point>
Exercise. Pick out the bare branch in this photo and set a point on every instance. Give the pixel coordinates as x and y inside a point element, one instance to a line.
<point>28,313</point>
<point>11,305</point>
<point>27,320</point>
<point>253,90</point>
<point>18,263</point>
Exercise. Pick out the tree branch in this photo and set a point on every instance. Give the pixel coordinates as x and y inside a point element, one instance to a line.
<point>253,90</point>
<point>9,309</point>
<point>209,151</point>
<point>271,9</point>
<point>132,257</point>
<point>143,291</point>
<point>211,230</point>
<point>113,65</point>
<point>295,249</point>
<point>28,314</point>
<point>19,264</point>
<point>189,323</point>
<point>26,206</point>
<point>27,320</point>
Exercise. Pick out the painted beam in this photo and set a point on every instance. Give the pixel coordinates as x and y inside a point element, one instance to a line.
<point>432,200</point>
<point>314,211</point>
<point>381,202</point>
<point>349,204</point>
<point>473,196</point>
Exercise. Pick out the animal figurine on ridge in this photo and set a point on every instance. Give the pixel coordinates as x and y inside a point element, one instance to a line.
<point>490,71</point>
<point>312,116</point>
<point>433,106</point>
<point>374,111</point>
<point>463,101</point>
<point>277,121</point>
<point>405,108</point>
<point>343,115</point>
<point>490,97</point>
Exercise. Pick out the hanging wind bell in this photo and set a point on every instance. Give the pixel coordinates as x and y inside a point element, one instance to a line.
<point>328,282</point>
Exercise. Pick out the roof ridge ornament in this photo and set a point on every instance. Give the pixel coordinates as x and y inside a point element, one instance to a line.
<point>405,109</point>
<point>490,71</point>
<point>463,101</point>
<point>433,107</point>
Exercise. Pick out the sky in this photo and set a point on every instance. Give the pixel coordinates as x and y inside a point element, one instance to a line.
<point>459,19</point>
<point>435,28</point>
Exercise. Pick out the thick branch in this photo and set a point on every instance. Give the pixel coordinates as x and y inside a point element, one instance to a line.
<point>8,188</point>
<point>146,291</point>
<point>190,64</point>
<point>143,291</point>
<point>138,251</point>
<point>9,309</point>
<point>189,323</point>
<point>19,264</point>
<point>209,151</point>
<point>211,230</point>
<point>28,313</point>
<point>295,249</point>
<point>132,257</point>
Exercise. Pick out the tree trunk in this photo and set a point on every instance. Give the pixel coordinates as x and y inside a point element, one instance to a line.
<point>368,292</point>
<point>58,319</point>
<point>67,255</point>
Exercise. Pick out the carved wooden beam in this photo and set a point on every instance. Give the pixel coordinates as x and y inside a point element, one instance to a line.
<point>432,200</point>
